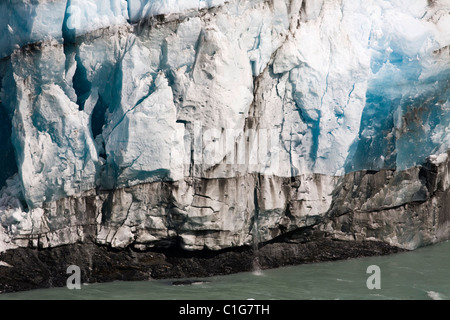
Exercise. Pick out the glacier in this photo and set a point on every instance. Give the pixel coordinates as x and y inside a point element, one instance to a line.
<point>212,124</point>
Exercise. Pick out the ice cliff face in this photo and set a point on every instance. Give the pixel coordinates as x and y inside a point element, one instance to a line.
<point>219,123</point>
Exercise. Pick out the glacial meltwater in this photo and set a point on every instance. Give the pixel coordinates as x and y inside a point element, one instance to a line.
<point>420,274</point>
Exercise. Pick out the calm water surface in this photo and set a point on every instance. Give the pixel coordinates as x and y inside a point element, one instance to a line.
<point>420,274</point>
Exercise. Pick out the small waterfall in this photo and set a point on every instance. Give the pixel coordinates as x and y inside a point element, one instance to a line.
<point>255,233</point>
<point>256,238</point>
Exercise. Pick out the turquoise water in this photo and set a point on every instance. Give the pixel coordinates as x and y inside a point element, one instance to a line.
<point>420,274</point>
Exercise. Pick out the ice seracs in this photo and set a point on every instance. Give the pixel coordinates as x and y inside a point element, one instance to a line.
<point>33,21</point>
<point>147,144</point>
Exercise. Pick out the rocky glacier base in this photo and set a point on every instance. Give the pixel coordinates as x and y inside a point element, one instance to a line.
<point>189,138</point>
<point>406,209</point>
<point>364,216</point>
<point>28,269</point>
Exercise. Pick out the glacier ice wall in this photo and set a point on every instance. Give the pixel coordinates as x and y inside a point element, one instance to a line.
<point>103,95</point>
<point>408,91</point>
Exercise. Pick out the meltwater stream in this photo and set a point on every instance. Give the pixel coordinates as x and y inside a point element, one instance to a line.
<point>420,274</point>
